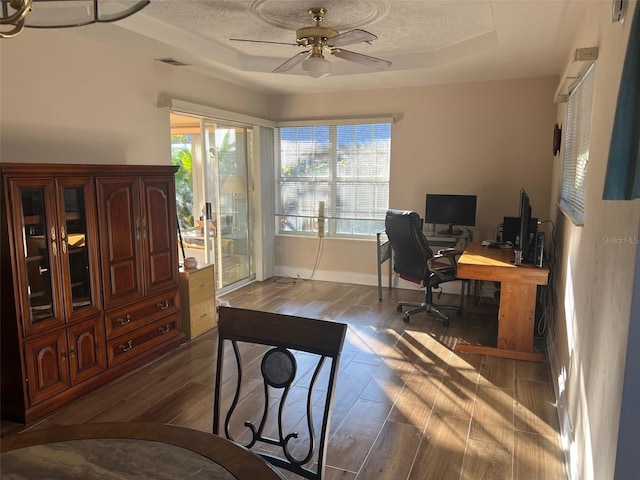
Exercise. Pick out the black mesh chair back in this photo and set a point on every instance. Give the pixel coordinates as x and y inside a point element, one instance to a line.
<point>268,365</point>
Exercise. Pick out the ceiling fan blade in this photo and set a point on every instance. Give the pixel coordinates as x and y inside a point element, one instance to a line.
<point>261,41</point>
<point>362,59</point>
<point>351,37</point>
<point>292,62</point>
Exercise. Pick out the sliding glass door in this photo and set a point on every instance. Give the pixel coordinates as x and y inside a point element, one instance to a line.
<point>227,206</point>
<point>215,197</point>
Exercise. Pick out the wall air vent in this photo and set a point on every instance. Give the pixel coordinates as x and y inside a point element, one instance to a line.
<point>172,61</point>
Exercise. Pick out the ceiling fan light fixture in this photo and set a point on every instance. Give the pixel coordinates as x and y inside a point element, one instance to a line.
<point>316,66</point>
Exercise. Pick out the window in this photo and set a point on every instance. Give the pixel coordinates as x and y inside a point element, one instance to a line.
<point>576,147</point>
<point>346,166</point>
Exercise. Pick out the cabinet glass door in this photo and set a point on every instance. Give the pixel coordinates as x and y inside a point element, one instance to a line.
<point>39,242</point>
<point>77,240</point>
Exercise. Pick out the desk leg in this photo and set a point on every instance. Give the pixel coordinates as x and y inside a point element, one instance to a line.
<point>516,320</point>
<point>516,317</point>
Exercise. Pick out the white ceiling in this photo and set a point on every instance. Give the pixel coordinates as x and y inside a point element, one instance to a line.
<point>428,41</point>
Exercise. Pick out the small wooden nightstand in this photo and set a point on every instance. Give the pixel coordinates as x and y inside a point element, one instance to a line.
<point>197,300</point>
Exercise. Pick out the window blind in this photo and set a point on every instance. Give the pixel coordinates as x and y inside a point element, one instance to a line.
<point>346,166</point>
<point>576,150</point>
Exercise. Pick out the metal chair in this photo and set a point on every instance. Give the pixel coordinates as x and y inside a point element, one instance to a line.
<point>276,361</point>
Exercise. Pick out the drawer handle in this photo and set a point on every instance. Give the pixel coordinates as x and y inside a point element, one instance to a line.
<point>165,329</point>
<point>163,306</point>
<point>202,285</point>
<point>124,320</point>
<point>204,315</point>
<point>126,347</point>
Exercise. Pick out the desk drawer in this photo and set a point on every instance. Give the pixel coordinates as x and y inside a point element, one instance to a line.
<point>143,339</point>
<point>201,286</point>
<point>203,317</point>
<point>127,319</point>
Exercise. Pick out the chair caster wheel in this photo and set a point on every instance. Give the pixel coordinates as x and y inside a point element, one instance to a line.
<point>399,308</point>
<point>445,323</point>
<point>406,319</point>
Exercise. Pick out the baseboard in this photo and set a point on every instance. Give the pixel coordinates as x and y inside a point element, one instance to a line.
<point>330,276</point>
<point>359,278</point>
<point>564,421</point>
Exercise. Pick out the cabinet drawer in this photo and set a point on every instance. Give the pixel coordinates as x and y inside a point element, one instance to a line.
<point>203,317</point>
<point>143,339</point>
<point>201,286</point>
<point>127,319</point>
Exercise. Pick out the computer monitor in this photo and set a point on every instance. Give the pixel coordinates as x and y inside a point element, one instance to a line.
<point>528,228</point>
<point>450,210</point>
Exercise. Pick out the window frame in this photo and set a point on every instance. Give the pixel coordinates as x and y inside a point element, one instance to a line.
<point>333,181</point>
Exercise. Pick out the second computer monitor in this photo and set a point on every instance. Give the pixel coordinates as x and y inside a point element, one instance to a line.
<point>450,210</point>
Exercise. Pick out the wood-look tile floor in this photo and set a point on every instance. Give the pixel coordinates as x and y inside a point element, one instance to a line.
<point>406,405</point>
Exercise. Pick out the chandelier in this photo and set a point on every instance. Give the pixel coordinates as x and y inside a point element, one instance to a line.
<point>17,14</point>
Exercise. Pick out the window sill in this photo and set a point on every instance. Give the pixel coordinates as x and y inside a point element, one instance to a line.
<point>327,237</point>
<point>571,213</point>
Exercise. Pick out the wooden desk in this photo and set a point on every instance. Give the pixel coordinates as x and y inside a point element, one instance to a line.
<point>516,317</point>
<point>128,450</point>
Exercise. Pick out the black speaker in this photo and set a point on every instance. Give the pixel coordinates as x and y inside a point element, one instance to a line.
<point>539,252</point>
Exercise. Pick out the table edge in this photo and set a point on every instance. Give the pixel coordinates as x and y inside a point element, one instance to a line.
<point>217,449</point>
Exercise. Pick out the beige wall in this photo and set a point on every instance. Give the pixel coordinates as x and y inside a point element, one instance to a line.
<point>594,277</point>
<point>490,139</point>
<point>66,99</point>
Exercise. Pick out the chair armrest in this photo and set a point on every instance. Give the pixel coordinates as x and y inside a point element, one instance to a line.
<point>445,252</point>
<point>441,262</point>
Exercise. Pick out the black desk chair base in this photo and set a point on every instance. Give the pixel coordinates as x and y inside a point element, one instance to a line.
<point>428,307</point>
<point>423,307</point>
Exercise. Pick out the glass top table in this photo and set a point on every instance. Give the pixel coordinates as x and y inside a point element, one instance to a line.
<point>115,451</point>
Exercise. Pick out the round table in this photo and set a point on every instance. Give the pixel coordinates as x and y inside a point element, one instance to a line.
<point>117,451</point>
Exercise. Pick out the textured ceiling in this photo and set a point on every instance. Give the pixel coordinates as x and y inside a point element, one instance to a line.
<point>428,41</point>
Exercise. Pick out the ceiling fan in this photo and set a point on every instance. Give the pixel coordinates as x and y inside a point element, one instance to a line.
<point>321,39</point>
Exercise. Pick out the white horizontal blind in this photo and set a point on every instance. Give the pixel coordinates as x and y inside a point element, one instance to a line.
<point>576,150</point>
<point>346,166</point>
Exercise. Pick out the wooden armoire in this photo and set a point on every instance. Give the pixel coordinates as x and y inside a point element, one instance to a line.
<point>89,279</point>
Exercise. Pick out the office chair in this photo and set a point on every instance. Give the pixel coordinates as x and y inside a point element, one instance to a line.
<point>276,357</point>
<point>414,261</point>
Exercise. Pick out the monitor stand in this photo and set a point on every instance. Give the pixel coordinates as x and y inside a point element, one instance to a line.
<point>451,231</point>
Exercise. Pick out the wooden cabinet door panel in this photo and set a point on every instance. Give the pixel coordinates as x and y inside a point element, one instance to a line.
<point>160,233</point>
<point>120,237</point>
<point>37,253</point>
<point>87,352</point>
<point>48,372</point>
<point>76,213</point>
